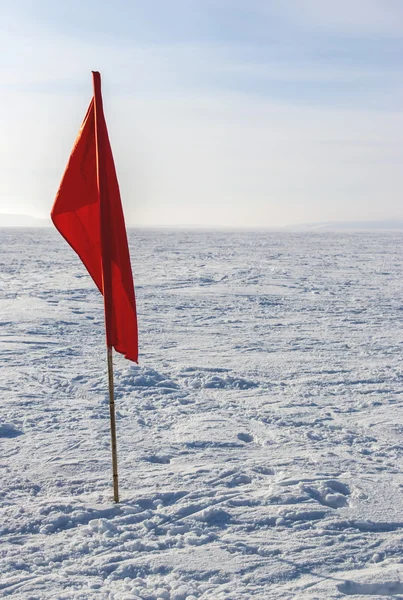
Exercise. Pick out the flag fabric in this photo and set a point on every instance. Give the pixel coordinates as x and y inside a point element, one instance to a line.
<point>88,213</point>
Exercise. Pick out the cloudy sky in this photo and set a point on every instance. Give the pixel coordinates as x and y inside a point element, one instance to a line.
<point>220,112</point>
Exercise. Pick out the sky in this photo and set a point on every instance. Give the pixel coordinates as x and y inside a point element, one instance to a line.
<point>221,113</point>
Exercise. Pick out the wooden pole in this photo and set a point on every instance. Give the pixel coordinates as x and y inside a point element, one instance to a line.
<point>113,427</point>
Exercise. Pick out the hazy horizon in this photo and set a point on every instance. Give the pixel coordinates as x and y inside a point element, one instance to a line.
<point>220,114</point>
<point>29,221</point>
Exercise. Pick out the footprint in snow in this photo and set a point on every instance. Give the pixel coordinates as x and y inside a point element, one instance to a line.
<point>264,470</point>
<point>332,493</point>
<point>239,479</point>
<point>390,588</point>
<point>245,437</point>
<point>9,430</point>
<point>159,460</point>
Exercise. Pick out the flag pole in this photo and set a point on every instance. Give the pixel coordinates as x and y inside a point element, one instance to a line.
<point>113,427</point>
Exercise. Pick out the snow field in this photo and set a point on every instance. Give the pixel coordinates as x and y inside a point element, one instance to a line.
<point>259,440</point>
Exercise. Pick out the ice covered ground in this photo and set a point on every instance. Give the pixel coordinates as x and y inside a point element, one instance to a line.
<point>260,438</point>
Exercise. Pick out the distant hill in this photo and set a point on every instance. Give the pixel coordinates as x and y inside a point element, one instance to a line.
<point>22,221</point>
<point>8,220</point>
<point>390,225</point>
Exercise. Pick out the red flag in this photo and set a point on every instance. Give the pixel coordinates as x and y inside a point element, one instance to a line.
<point>88,213</point>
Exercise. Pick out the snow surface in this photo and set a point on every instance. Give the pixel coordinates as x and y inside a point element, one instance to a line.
<point>259,440</point>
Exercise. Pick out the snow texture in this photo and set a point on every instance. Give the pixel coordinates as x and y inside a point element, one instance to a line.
<point>259,440</point>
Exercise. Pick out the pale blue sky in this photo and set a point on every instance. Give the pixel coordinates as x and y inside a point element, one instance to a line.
<point>220,112</point>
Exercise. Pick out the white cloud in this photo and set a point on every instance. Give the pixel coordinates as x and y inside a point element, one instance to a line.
<point>243,160</point>
<point>353,17</point>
